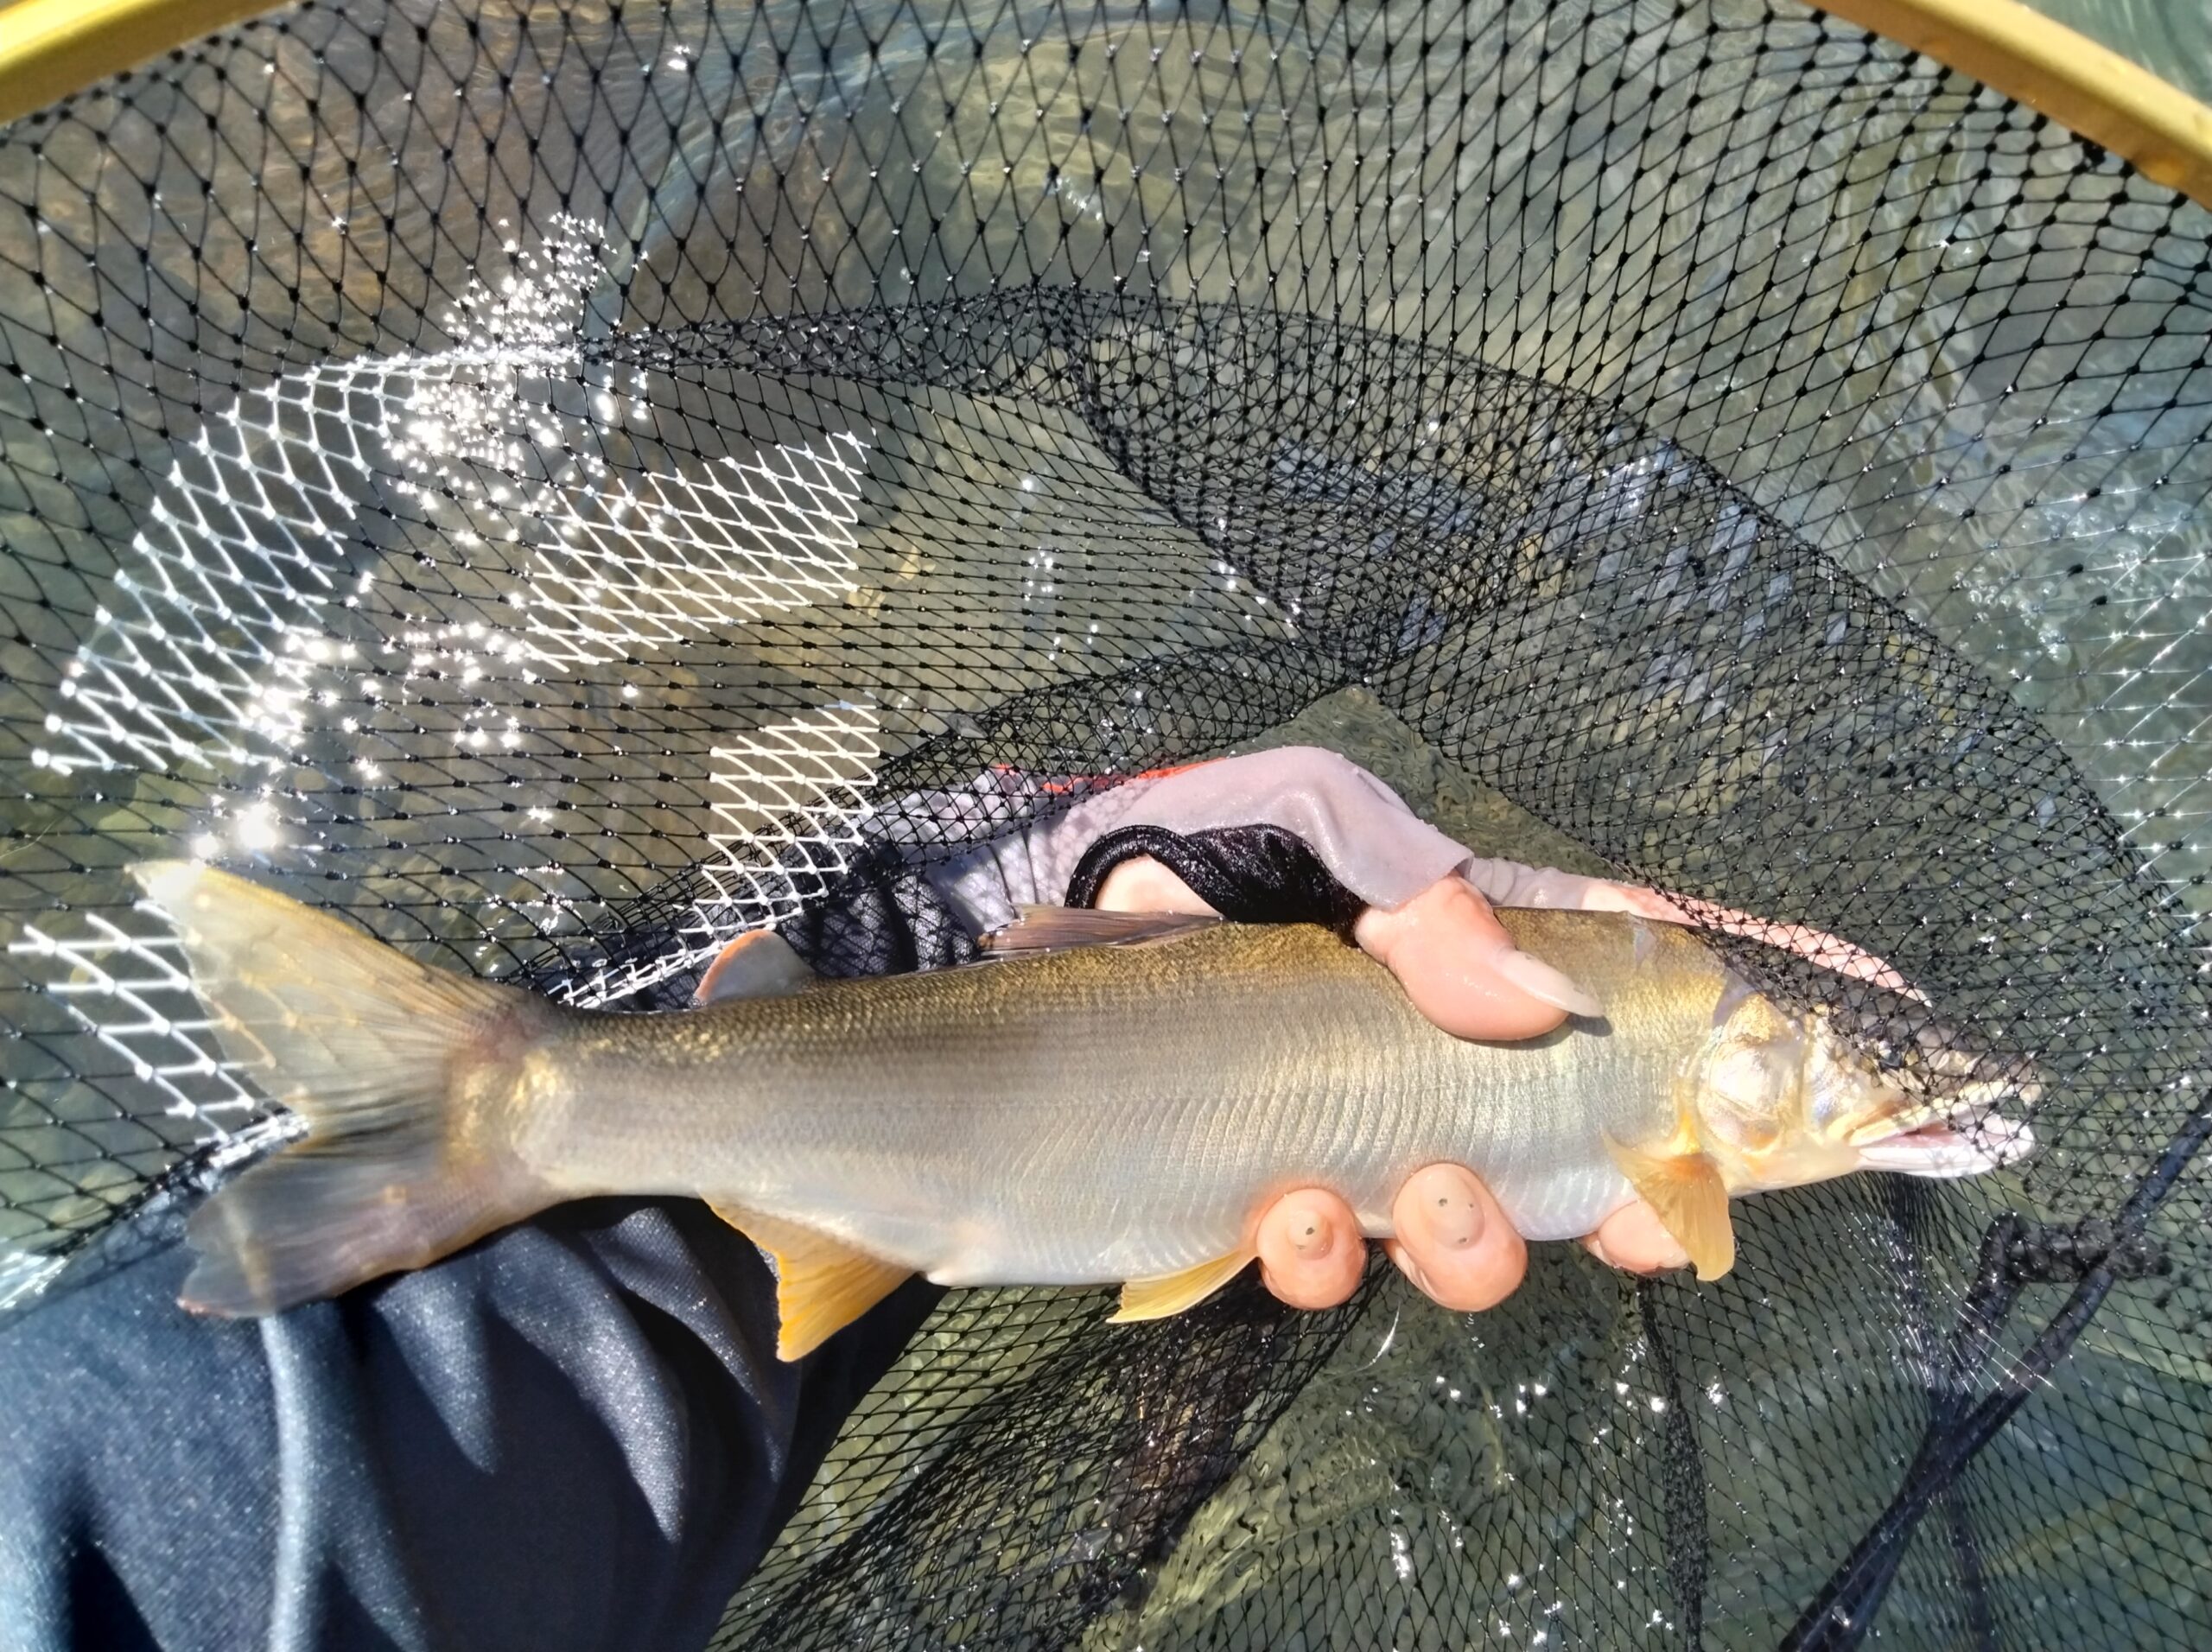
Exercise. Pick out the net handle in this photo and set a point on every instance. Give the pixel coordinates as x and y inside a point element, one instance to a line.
<point>50,48</point>
<point>2165,134</point>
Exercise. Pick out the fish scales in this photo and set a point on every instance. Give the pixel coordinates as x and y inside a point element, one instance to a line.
<point>1117,1112</point>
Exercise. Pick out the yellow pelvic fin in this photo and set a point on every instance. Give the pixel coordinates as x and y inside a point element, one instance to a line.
<point>821,1284</point>
<point>1169,1294</point>
<point>1685,1188</point>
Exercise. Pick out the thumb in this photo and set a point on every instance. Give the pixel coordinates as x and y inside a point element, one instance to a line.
<point>1461,969</point>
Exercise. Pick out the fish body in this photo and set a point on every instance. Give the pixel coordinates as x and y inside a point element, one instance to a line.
<point>1106,1113</point>
<point>1111,1112</point>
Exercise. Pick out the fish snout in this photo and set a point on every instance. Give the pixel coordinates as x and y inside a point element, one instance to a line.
<point>1960,1113</point>
<point>1925,1099</point>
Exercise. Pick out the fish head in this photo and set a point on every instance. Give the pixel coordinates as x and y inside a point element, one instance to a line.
<point>1780,1099</point>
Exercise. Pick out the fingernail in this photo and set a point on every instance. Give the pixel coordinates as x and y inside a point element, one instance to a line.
<point>1542,982</point>
<point>1455,1221</point>
<point>1312,1234</point>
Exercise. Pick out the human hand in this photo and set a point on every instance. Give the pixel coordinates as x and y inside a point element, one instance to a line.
<point>1424,912</point>
<point>1459,967</point>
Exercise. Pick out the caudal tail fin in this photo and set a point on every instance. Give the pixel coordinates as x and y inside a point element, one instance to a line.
<point>404,1074</point>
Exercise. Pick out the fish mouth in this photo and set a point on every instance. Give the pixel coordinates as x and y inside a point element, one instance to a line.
<point>1964,1130</point>
<point>1957,1104</point>
<point>1945,1149</point>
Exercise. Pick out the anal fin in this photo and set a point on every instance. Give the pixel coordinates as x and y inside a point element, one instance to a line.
<point>1170,1293</point>
<point>823,1285</point>
<point>1692,1201</point>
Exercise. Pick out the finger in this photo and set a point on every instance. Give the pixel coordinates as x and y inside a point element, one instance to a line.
<point>1633,1240</point>
<point>1453,1240</point>
<point>1598,896</point>
<point>1818,946</point>
<point>1312,1252</point>
<point>1512,883</point>
<point>1462,970</point>
<point>1141,884</point>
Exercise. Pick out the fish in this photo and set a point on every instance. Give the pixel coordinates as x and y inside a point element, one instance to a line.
<point>1105,1098</point>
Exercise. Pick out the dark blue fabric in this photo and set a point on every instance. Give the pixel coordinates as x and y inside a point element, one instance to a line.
<point>576,1434</point>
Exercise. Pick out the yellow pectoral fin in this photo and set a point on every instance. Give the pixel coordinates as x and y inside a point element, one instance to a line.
<point>1169,1294</point>
<point>822,1284</point>
<point>1686,1190</point>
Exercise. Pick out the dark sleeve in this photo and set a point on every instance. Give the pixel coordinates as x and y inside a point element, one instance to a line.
<point>1249,875</point>
<point>576,1433</point>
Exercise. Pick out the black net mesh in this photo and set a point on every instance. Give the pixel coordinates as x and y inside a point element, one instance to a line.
<point>535,476</point>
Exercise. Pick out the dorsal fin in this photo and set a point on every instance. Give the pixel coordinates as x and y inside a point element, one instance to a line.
<point>1055,929</point>
<point>757,964</point>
